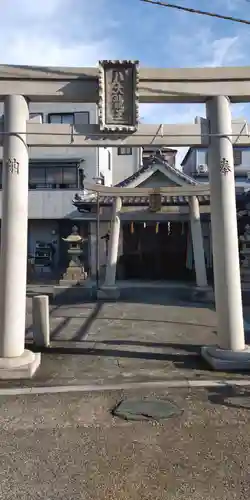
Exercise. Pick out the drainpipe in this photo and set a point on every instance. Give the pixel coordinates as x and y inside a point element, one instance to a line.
<point>98,180</point>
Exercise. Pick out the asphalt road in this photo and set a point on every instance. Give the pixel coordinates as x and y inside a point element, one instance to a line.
<point>70,447</point>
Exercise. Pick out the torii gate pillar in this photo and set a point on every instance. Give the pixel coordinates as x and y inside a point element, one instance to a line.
<point>231,352</point>
<point>15,361</point>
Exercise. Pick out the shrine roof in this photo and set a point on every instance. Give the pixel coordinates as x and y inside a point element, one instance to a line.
<point>81,200</point>
<point>86,200</point>
<point>149,165</point>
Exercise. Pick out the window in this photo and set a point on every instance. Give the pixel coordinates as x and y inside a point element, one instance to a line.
<point>124,151</point>
<point>37,178</point>
<point>69,178</point>
<point>51,177</point>
<point>237,157</point>
<point>82,118</point>
<point>79,118</point>
<point>67,118</point>
<point>38,116</point>
<point>55,177</point>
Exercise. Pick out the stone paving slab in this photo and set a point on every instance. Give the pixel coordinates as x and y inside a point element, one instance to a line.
<point>70,447</point>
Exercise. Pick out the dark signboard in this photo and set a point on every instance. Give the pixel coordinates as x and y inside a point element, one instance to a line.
<point>118,96</point>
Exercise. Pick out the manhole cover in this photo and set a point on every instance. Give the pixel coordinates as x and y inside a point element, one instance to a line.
<point>146,410</point>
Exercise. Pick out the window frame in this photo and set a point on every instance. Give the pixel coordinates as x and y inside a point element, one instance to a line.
<point>61,116</point>
<point>37,185</point>
<point>125,153</point>
<point>53,185</point>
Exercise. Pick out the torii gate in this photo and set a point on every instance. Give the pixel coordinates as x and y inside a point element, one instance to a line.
<point>117,87</point>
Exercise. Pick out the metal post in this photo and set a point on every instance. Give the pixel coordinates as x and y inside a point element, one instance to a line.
<point>109,290</point>
<point>97,241</point>
<point>99,181</point>
<point>197,243</point>
<point>113,247</point>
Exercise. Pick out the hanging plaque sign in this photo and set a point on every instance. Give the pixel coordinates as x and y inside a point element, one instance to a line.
<point>118,96</point>
<point>155,202</point>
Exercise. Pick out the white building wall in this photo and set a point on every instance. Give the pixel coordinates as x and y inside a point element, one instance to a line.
<point>88,156</point>
<point>66,107</point>
<point>45,204</point>
<point>106,161</point>
<point>190,165</point>
<point>50,204</point>
<point>105,165</point>
<point>125,165</point>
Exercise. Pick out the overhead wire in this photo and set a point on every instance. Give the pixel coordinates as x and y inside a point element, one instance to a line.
<point>196,11</point>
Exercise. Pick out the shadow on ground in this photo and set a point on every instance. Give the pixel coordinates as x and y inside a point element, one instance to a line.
<point>230,397</point>
<point>181,356</point>
<point>145,295</point>
<point>83,330</point>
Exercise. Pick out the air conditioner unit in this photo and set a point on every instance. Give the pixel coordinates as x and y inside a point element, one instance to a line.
<point>202,169</point>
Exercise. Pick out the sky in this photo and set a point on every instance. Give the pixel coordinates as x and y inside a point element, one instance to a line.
<point>82,32</point>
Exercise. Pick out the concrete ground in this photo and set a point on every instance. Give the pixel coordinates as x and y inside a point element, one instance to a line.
<point>152,337</point>
<point>70,447</point>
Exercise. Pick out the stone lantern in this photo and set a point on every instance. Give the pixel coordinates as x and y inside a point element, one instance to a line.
<point>75,273</point>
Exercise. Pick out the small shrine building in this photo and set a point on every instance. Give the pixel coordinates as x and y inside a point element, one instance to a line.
<point>155,243</point>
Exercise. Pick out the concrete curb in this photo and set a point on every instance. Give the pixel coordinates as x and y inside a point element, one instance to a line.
<point>161,384</point>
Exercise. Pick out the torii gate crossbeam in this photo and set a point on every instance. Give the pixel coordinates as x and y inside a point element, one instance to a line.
<point>156,85</point>
<point>160,135</point>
